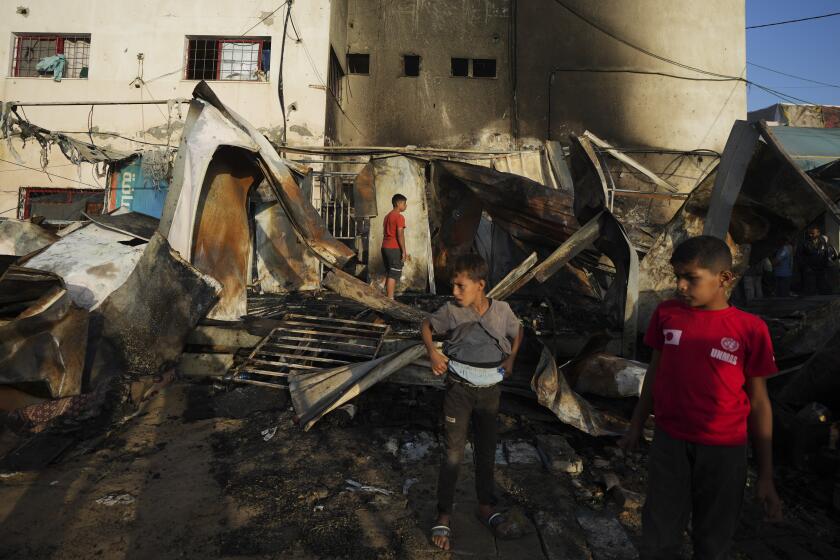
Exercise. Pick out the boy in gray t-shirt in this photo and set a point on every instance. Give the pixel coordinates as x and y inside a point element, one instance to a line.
<point>482,339</point>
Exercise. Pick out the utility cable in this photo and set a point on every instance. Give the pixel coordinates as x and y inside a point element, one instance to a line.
<point>51,174</point>
<point>643,50</point>
<point>793,76</point>
<point>785,22</point>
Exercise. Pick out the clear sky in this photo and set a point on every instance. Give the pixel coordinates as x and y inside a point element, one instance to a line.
<point>810,49</point>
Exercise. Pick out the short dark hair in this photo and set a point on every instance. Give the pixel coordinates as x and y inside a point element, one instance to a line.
<point>706,251</point>
<point>814,227</point>
<point>470,264</point>
<point>397,198</point>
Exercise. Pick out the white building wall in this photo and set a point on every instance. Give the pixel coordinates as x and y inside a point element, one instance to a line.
<point>120,30</point>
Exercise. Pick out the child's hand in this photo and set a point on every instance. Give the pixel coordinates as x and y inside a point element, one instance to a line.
<point>507,366</point>
<point>630,440</point>
<point>440,363</point>
<point>765,493</point>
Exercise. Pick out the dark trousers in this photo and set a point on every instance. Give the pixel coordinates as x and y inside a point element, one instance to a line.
<point>782,286</point>
<point>815,280</point>
<point>461,403</point>
<point>705,482</point>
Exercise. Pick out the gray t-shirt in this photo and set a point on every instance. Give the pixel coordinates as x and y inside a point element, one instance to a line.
<point>473,339</point>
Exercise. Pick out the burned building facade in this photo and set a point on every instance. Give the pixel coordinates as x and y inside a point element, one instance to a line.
<point>507,74</point>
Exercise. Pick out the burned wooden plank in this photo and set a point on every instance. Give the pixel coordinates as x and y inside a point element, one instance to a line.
<point>515,279</point>
<point>569,249</point>
<point>353,288</point>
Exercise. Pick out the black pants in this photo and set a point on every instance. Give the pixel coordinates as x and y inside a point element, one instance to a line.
<point>782,286</point>
<point>686,479</point>
<point>461,403</point>
<point>392,259</point>
<point>814,281</point>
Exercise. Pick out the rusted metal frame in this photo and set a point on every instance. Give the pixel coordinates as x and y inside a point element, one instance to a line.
<point>330,327</point>
<point>261,383</point>
<point>324,350</point>
<point>282,364</point>
<point>270,373</point>
<point>339,335</point>
<point>627,160</point>
<point>381,341</point>
<point>774,143</point>
<point>302,357</point>
<point>736,158</point>
<point>334,320</point>
<point>653,195</point>
<point>514,279</point>
<point>321,341</point>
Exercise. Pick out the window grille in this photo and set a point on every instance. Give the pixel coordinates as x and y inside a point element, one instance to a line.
<point>232,59</point>
<point>31,48</point>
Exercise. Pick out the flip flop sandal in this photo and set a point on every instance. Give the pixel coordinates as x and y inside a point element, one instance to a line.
<point>496,523</point>
<point>441,531</point>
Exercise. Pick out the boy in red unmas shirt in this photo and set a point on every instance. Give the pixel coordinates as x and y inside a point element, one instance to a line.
<point>706,386</point>
<point>393,243</point>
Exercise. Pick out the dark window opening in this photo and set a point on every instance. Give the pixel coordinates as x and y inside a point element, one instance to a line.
<point>30,49</point>
<point>484,68</point>
<point>236,59</point>
<point>411,65</point>
<point>335,73</point>
<point>358,63</point>
<point>461,67</point>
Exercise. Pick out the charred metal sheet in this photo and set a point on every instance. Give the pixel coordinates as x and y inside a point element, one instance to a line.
<point>43,336</point>
<point>612,241</point>
<point>739,151</point>
<point>528,210</point>
<point>317,393</point>
<point>352,288</point>
<point>145,322</point>
<point>364,193</point>
<point>284,264</point>
<point>223,230</point>
<point>92,261</point>
<point>134,224</point>
<point>304,343</point>
<point>559,166</point>
<point>307,222</point>
<point>554,393</point>
<point>19,238</point>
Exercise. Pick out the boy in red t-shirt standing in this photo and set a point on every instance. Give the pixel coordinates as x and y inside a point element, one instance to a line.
<point>393,243</point>
<point>706,387</point>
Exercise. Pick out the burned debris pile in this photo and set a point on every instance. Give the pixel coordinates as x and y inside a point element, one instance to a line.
<point>243,281</point>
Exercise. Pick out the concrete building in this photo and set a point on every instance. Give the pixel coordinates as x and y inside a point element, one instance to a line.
<point>467,74</point>
<point>508,73</point>
<point>121,51</point>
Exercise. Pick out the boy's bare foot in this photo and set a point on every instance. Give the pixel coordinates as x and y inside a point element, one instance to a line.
<point>441,532</point>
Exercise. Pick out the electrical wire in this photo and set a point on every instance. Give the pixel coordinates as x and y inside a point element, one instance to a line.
<point>651,54</point>
<point>265,18</point>
<point>793,76</point>
<point>280,94</point>
<point>785,22</point>
<point>52,174</point>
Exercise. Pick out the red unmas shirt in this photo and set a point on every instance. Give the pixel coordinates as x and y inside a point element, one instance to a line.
<point>706,357</point>
<point>393,220</point>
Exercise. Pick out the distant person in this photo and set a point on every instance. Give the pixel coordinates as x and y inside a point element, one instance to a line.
<point>394,253</point>
<point>783,269</point>
<point>814,256</point>
<point>482,339</point>
<point>752,281</point>
<point>706,387</point>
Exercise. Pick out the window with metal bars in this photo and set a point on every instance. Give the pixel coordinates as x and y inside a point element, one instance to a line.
<point>228,58</point>
<point>31,48</point>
